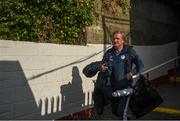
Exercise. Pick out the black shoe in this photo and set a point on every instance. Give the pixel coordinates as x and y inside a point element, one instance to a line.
<point>99,110</point>
<point>129,118</point>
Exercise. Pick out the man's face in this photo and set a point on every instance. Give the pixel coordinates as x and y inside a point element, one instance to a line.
<point>118,40</point>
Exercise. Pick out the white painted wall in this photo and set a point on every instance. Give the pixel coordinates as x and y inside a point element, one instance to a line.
<point>155,55</point>
<point>45,81</point>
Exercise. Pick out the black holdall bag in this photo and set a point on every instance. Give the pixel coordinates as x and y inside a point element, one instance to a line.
<point>145,98</point>
<point>91,69</point>
<point>101,87</point>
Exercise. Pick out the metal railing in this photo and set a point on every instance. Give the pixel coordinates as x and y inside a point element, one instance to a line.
<point>158,66</point>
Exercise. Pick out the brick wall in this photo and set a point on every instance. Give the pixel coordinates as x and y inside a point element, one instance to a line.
<point>39,80</point>
<point>107,21</point>
<point>45,81</point>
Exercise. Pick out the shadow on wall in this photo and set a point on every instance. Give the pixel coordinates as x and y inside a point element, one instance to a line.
<point>18,102</point>
<point>72,100</point>
<point>72,93</point>
<point>16,98</point>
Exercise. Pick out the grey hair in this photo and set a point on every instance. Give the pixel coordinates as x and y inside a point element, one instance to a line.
<point>119,32</point>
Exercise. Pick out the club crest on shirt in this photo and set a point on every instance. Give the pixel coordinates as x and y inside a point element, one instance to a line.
<point>123,57</point>
<point>111,58</point>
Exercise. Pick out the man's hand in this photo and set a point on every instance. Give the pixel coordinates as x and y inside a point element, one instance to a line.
<point>129,75</point>
<point>103,68</point>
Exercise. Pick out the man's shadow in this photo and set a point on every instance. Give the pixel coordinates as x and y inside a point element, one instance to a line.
<point>73,98</point>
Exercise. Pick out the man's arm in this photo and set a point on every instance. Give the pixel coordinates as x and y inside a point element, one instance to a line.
<point>136,60</point>
<point>104,66</point>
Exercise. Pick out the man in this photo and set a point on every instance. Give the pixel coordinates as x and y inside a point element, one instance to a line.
<point>118,62</point>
